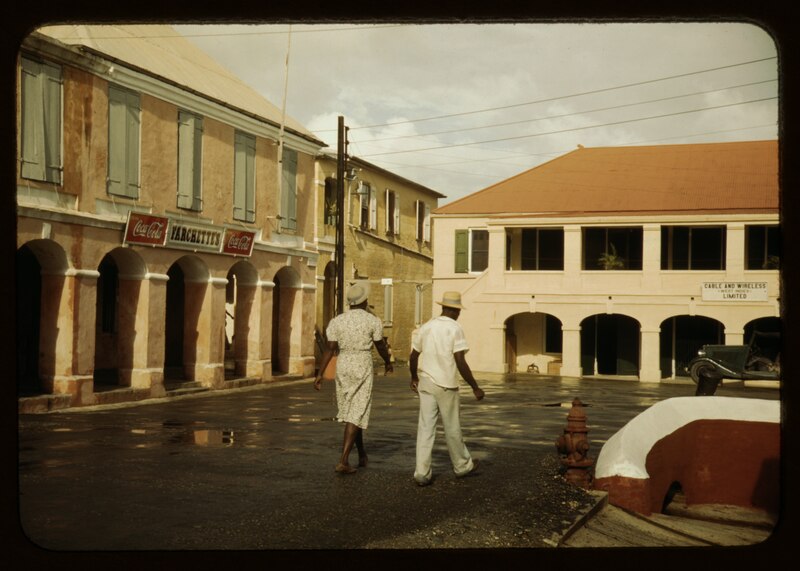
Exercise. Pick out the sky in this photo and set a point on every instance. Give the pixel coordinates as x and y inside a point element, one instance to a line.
<point>460,107</point>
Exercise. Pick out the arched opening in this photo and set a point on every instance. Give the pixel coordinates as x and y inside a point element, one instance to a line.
<point>764,337</point>
<point>284,296</point>
<point>681,337</point>
<point>106,369</point>
<point>239,298</point>
<point>186,288</point>
<point>28,308</point>
<point>533,343</point>
<point>610,345</point>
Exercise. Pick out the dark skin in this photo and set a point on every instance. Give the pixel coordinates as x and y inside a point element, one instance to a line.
<point>460,357</point>
<point>352,434</point>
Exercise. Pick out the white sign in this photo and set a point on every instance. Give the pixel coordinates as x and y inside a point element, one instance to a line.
<point>735,291</point>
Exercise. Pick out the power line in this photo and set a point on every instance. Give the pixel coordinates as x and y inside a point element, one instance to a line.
<point>574,128</point>
<point>567,114</point>
<point>557,98</point>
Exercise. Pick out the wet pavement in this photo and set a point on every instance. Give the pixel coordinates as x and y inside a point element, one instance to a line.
<point>252,469</point>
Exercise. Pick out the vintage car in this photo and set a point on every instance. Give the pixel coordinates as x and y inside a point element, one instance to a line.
<point>758,360</point>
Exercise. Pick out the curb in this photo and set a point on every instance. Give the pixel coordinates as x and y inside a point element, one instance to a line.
<point>601,501</point>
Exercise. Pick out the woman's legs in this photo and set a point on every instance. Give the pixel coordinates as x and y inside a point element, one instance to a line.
<point>352,433</point>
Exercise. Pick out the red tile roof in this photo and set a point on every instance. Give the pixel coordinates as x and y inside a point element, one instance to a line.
<point>699,178</point>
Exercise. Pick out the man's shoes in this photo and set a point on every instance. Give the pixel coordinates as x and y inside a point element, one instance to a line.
<point>422,483</point>
<point>475,464</point>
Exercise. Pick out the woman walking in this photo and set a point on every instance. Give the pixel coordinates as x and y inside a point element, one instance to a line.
<point>352,335</point>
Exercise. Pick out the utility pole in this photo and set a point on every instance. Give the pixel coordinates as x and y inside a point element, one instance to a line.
<point>341,166</point>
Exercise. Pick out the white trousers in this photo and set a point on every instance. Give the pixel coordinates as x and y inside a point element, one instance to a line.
<point>433,402</point>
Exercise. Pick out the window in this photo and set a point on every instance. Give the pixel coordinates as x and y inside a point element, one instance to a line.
<point>329,216</point>
<point>612,248</point>
<point>289,190</point>
<point>763,247</point>
<point>388,302</point>
<point>392,213</point>
<point>40,140</point>
<point>368,205</point>
<point>542,249</point>
<point>244,198</point>
<point>692,248</point>
<point>190,147</point>
<point>472,251</point>
<point>423,221</point>
<point>123,142</point>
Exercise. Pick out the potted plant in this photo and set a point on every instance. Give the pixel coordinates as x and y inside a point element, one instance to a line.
<point>611,260</point>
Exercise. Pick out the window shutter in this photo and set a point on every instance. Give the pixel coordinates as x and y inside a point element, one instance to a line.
<point>417,233</point>
<point>426,230</point>
<point>132,119</point>
<point>197,166</point>
<point>289,189</point>
<point>387,220</point>
<point>116,142</point>
<point>373,209</point>
<point>32,121</point>
<point>249,181</point>
<point>185,160</point>
<point>239,177</point>
<point>462,252</point>
<point>52,122</point>
<point>396,214</point>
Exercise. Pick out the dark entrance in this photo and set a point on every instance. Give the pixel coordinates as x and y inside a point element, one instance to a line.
<point>28,307</point>
<point>612,343</point>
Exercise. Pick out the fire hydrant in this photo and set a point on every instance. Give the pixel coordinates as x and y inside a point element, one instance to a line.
<point>573,446</point>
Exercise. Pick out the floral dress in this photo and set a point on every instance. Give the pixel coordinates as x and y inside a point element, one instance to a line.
<point>354,331</point>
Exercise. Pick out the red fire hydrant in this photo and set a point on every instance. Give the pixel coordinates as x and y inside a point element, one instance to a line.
<point>573,446</point>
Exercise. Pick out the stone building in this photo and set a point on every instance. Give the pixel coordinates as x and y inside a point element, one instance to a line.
<point>616,261</point>
<point>387,245</point>
<point>165,227</point>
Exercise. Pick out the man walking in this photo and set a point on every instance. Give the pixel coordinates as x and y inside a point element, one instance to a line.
<point>438,351</point>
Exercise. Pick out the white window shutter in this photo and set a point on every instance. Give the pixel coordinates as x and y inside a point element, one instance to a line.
<point>373,209</point>
<point>416,220</point>
<point>396,214</point>
<point>426,231</point>
<point>386,213</point>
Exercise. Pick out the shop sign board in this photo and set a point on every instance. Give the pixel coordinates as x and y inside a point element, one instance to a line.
<point>238,242</point>
<point>146,229</point>
<point>735,291</point>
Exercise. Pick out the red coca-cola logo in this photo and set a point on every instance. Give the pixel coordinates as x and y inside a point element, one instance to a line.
<point>146,229</point>
<point>238,242</point>
<point>154,229</point>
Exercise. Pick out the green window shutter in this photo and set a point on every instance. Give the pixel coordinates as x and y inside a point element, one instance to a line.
<point>289,190</point>
<point>462,251</point>
<point>244,148</point>
<point>190,136</point>
<point>52,122</point>
<point>116,141</point>
<point>123,143</point>
<point>32,143</point>
<point>132,120</point>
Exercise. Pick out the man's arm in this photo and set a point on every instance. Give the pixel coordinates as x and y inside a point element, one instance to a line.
<point>466,372</point>
<point>413,359</point>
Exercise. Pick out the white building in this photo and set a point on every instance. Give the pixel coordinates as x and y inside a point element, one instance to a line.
<point>616,261</point>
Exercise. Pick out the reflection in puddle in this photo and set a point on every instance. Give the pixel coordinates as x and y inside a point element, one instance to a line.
<point>213,437</point>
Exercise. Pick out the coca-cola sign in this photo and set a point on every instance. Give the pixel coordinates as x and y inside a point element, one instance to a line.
<point>146,229</point>
<point>238,242</point>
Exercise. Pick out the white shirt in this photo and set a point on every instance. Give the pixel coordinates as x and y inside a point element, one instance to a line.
<point>436,342</point>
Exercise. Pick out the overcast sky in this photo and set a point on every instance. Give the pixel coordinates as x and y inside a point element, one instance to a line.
<point>459,107</point>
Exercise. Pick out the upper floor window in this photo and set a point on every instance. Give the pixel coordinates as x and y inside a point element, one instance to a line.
<point>612,248</point>
<point>368,207</point>
<point>40,131</point>
<point>763,247</point>
<point>331,208</point>
<point>693,247</point>
<point>123,142</point>
<point>244,197</point>
<point>423,225</point>
<point>472,250</point>
<point>392,213</point>
<point>190,150</point>
<point>535,249</point>
<point>289,189</point>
